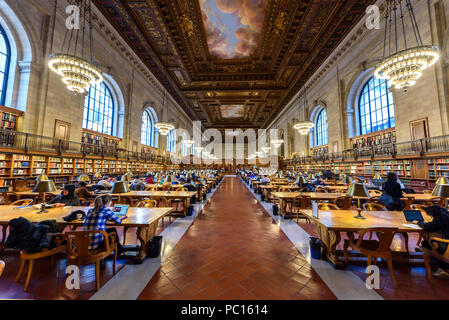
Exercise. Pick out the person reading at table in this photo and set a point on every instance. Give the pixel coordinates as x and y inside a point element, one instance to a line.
<point>437,228</point>
<point>265,180</point>
<point>96,219</point>
<point>83,192</point>
<point>149,179</point>
<point>67,197</point>
<point>392,188</point>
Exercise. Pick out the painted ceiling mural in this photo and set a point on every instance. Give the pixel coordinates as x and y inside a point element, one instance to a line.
<point>255,54</point>
<point>233,27</point>
<point>232,111</point>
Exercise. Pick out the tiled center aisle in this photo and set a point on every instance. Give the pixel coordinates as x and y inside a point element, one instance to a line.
<point>234,250</point>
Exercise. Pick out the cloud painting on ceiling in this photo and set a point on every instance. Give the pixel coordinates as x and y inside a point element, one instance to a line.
<point>232,111</point>
<point>233,27</point>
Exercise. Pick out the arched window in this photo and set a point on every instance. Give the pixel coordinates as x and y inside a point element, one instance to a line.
<point>99,109</point>
<point>321,131</point>
<point>171,141</point>
<point>376,107</point>
<point>149,134</point>
<point>5,57</point>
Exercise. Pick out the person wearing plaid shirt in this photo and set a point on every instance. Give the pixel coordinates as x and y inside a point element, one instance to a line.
<point>96,219</point>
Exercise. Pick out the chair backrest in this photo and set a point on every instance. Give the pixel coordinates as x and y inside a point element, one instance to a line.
<point>375,193</point>
<point>385,236</point>
<point>182,189</point>
<point>78,243</point>
<point>344,202</point>
<point>302,202</point>
<point>321,190</point>
<point>125,200</point>
<point>373,207</point>
<point>427,191</point>
<point>10,197</point>
<point>22,202</point>
<point>147,204</point>
<point>150,189</point>
<point>419,207</point>
<point>437,200</point>
<point>327,206</point>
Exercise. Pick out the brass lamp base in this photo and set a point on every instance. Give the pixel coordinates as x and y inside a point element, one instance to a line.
<point>359,216</point>
<point>42,209</point>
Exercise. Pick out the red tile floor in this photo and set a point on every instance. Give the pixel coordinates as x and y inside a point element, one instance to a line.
<point>233,250</point>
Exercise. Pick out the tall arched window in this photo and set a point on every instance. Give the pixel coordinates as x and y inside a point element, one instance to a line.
<point>149,134</point>
<point>376,107</point>
<point>5,57</point>
<point>171,141</point>
<point>321,131</point>
<point>99,109</point>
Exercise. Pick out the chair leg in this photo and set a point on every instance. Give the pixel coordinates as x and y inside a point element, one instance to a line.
<point>420,239</point>
<point>427,264</point>
<point>97,274</point>
<point>390,267</point>
<point>114,262</point>
<point>22,265</point>
<point>30,271</point>
<point>125,229</point>
<point>368,261</point>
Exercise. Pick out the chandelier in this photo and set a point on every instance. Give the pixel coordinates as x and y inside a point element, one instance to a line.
<point>266,149</point>
<point>188,143</point>
<point>165,127</point>
<point>303,127</point>
<point>277,142</point>
<point>199,149</point>
<point>403,66</point>
<point>77,73</point>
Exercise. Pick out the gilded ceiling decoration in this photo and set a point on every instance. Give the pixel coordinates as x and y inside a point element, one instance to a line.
<point>250,53</point>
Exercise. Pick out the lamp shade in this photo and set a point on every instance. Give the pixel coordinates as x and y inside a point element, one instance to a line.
<point>126,178</point>
<point>83,177</point>
<point>348,180</point>
<point>302,180</point>
<point>97,175</point>
<point>442,180</point>
<point>42,177</point>
<point>441,190</point>
<point>45,186</point>
<point>358,190</point>
<point>377,177</point>
<point>120,187</point>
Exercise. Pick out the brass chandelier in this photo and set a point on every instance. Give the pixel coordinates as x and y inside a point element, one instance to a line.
<point>403,67</point>
<point>77,73</point>
<point>303,127</point>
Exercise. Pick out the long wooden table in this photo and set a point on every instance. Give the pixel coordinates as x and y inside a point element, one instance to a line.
<point>145,220</point>
<point>332,223</point>
<point>184,195</point>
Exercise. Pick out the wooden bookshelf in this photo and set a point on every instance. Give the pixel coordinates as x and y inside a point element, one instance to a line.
<point>99,139</point>
<point>377,138</point>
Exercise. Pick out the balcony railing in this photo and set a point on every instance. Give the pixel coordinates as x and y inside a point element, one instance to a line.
<point>35,143</point>
<point>416,147</point>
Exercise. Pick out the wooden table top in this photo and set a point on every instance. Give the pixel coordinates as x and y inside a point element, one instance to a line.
<point>334,187</point>
<point>31,193</point>
<point>151,194</point>
<point>271,186</point>
<point>343,220</point>
<point>419,196</point>
<point>161,186</point>
<point>313,195</point>
<point>136,216</point>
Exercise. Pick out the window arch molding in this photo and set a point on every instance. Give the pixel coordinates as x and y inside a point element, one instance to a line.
<point>316,111</point>
<point>24,53</point>
<point>148,108</point>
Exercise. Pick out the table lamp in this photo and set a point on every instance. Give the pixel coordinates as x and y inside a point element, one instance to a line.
<point>442,191</point>
<point>358,190</point>
<point>302,180</point>
<point>126,178</point>
<point>120,187</point>
<point>442,180</point>
<point>42,177</point>
<point>348,180</point>
<point>97,176</point>
<point>44,186</point>
<point>84,177</point>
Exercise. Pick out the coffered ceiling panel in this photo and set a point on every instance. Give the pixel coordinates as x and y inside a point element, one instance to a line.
<point>221,58</point>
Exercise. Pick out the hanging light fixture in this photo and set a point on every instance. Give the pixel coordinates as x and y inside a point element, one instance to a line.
<point>77,73</point>
<point>165,127</point>
<point>188,142</point>
<point>403,67</point>
<point>304,126</point>
<point>266,149</point>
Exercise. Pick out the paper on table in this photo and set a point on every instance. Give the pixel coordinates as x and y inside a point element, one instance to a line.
<point>411,225</point>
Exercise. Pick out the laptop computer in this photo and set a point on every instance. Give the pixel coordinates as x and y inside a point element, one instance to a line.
<point>120,209</point>
<point>413,215</point>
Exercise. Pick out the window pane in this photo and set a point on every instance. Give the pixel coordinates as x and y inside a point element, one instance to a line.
<point>321,131</point>
<point>99,109</point>
<point>376,102</point>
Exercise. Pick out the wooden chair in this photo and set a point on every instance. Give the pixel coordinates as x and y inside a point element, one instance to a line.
<point>435,201</point>
<point>301,203</point>
<point>344,203</point>
<point>2,267</point>
<point>427,191</point>
<point>22,202</point>
<point>327,206</point>
<point>125,200</point>
<point>147,204</point>
<point>78,252</point>
<point>321,190</point>
<point>179,201</point>
<point>375,193</point>
<point>9,197</point>
<point>419,207</point>
<point>429,254</point>
<point>373,248</point>
<point>408,202</point>
<point>32,257</point>
<point>150,189</point>
<point>370,206</point>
